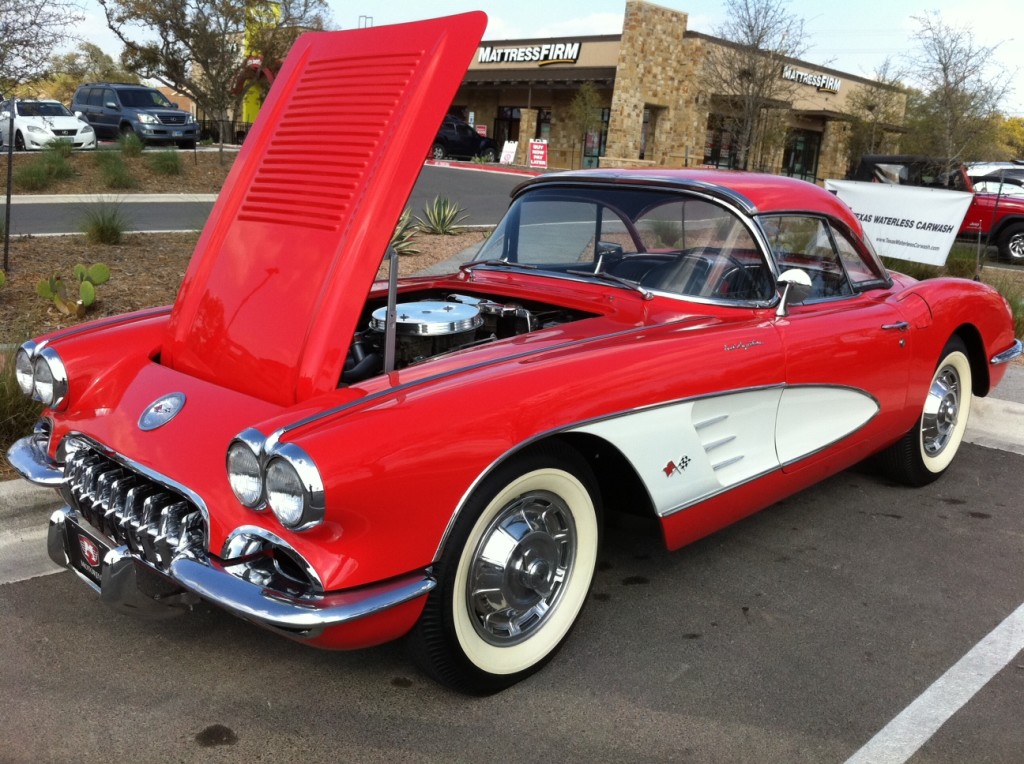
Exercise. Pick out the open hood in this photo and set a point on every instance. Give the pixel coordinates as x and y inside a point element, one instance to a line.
<point>274,290</point>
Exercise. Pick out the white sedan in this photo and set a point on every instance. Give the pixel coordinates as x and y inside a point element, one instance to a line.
<point>37,123</point>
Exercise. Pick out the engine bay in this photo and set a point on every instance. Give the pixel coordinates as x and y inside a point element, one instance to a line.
<point>434,322</point>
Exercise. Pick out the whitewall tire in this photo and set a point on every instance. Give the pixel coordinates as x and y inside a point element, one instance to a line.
<point>515,574</point>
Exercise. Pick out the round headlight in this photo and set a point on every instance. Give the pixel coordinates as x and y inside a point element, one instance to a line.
<point>42,381</point>
<point>295,491</point>
<point>23,371</point>
<point>244,474</point>
<point>285,493</point>
<point>50,379</point>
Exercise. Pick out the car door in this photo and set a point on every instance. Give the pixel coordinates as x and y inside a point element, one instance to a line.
<point>847,345</point>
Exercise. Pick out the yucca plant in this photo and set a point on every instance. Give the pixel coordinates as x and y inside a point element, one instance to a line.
<point>103,223</point>
<point>441,216</point>
<point>405,232</point>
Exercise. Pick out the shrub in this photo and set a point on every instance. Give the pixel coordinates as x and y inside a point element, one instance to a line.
<point>405,232</point>
<point>3,278</point>
<point>165,163</point>
<point>131,145</point>
<point>441,216</point>
<point>103,223</point>
<point>18,412</point>
<point>115,172</point>
<point>34,176</point>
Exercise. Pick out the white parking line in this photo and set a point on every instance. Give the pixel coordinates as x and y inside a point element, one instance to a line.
<point>905,734</point>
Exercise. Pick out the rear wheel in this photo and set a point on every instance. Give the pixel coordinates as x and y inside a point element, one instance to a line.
<point>1011,243</point>
<point>514,575</point>
<point>924,453</point>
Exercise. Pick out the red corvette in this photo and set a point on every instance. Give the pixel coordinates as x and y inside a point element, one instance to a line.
<point>348,462</point>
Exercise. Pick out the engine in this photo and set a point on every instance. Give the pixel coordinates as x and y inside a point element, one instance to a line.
<point>434,325</point>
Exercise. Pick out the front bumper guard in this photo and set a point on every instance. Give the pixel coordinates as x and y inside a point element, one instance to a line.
<point>128,583</point>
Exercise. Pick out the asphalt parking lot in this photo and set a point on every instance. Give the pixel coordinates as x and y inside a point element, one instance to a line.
<point>803,634</point>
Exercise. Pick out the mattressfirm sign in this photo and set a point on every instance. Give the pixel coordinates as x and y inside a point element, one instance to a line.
<point>905,222</point>
<point>542,55</point>
<point>823,82</point>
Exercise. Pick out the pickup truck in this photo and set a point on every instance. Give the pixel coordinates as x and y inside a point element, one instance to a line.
<point>996,213</point>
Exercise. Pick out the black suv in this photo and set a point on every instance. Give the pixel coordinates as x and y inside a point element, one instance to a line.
<point>456,138</point>
<point>116,109</point>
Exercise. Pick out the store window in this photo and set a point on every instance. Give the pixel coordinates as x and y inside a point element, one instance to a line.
<point>543,125</point>
<point>596,141</point>
<point>506,124</point>
<point>800,159</point>
<point>719,145</point>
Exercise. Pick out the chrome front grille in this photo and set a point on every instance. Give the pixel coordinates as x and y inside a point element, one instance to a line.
<point>172,119</point>
<point>154,522</point>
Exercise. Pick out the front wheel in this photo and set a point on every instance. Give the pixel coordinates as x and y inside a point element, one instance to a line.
<point>437,151</point>
<point>514,575</point>
<point>924,453</point>
<point>19,141</point>
<point>1011,243</point>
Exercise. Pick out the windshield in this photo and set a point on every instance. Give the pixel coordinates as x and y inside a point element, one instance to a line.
<point>663,241</point>
<point>144,98</point>
<point>45,109</point>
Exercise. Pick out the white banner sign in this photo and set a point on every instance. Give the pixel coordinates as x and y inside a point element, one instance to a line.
<point>905,222</point>
<point>508,152</point>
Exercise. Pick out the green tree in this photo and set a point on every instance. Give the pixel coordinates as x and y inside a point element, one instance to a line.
<point>762,37</point>
<point>198,47</point>
<point>583,116</point>
<point>29,31</point>
<point>89,63</point>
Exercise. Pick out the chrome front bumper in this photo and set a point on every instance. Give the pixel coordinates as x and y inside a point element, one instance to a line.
<point>126,582</point>
<point>127,579</point>
<point>1014,351</point>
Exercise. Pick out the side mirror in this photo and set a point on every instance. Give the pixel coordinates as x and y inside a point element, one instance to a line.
<point>110,105</point>
<point>80,115</point>
<point>794,286</point>
<point>174,105</point>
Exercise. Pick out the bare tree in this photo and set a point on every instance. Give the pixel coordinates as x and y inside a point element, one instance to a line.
<point>762,38</point>
<point>876,113</point>
<point>29,33</point>
<point>200,46</point>
<point>961,87</point>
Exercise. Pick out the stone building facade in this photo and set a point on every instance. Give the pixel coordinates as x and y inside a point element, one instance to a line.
<point>655,105</point>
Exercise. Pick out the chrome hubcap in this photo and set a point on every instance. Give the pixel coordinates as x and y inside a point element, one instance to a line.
<point>1016,246</point>
<point>520,567</point>
<point>941,410</point>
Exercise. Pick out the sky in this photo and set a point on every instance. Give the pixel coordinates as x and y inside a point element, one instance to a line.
<point>852,37</point>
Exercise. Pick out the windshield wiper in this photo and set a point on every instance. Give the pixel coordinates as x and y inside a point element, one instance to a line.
<point>605,276</point>
<point>497,264</point>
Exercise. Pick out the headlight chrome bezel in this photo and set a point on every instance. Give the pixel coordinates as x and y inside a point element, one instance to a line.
<point>32,362</point>
<point>285,470</point>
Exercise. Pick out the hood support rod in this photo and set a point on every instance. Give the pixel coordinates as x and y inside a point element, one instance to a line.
<point>391,320</point>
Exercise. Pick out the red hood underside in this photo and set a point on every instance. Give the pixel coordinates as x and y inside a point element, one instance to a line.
<point>280,274</point>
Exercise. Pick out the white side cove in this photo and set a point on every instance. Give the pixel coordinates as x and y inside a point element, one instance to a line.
<point>690,451</point>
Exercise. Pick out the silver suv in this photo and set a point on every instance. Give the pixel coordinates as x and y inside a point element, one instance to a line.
<point>115,109</point>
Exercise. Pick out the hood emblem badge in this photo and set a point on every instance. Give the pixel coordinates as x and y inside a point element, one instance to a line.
<point>161,411</point>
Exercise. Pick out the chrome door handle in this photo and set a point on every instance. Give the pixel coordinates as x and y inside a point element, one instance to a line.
<point>902,326</point>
